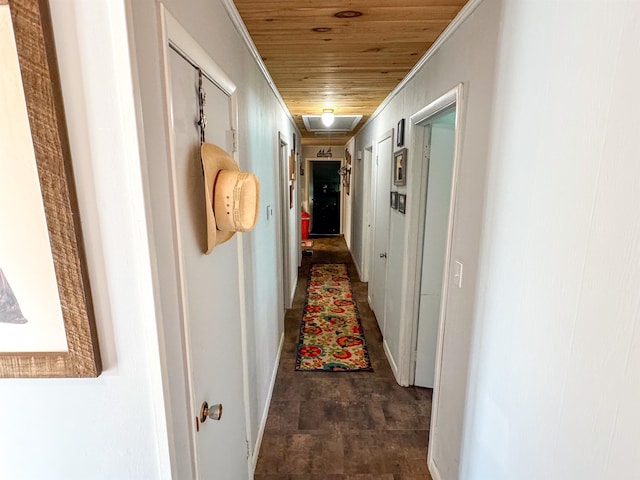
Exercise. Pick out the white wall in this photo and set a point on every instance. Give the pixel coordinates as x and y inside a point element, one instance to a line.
<point>112,426</point>
<point>469,57</point>
<point>555,382</point>
<point>261,119</point>
<point>547,229</point>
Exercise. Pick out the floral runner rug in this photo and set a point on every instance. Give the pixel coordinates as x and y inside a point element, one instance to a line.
<point>331,336</point>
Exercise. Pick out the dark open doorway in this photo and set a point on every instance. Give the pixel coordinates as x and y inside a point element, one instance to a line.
<point>325,195</point>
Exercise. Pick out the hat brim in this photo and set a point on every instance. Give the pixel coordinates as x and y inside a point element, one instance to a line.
<point>214,159</point>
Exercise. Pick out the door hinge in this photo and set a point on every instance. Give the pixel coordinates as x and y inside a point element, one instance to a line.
<point>248,449</point>
<point>234,136</point>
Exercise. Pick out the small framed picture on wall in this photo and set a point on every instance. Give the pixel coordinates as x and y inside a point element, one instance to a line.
<point>402,202</point>
<point>400,133</point>
<point>400,167</point>
<point>394,200</point>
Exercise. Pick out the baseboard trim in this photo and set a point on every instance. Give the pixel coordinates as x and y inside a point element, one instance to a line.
<point>433,468</point>
<point>355,264</point>
<point>392,362</point>
<point>263,421</point>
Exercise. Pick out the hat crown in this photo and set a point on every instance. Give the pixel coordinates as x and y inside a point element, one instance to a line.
<point>236,201</point>
<point>232,197</point>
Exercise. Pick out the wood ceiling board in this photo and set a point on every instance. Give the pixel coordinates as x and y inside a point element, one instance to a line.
<point>268,17</point>
<point>351,68</point>
<point>340,5</point>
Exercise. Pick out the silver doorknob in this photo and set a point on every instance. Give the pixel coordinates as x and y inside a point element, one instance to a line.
<point>214,412</point>
<point>383,255</point>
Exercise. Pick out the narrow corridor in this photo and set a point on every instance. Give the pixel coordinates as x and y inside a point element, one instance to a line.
<point>341,425</point>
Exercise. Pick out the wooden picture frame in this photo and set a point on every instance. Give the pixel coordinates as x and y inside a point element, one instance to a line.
<point>402,202</point>
<point>400,167</point>
<point>38,77</point>
<point>394,200</point>
<point>292,166</point>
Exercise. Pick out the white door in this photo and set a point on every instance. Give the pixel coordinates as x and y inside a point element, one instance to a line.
<point>209,283</point>
<point>283,162</point>
<point>439,142</point>
<point>366,212</point>
<point>382,185</point>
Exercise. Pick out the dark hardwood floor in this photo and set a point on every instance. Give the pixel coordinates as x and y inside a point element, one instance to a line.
<point>346,425</point>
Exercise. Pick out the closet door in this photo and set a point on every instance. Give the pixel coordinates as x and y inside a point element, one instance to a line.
<point>210,291</point>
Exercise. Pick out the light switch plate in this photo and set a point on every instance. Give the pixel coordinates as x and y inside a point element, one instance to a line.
<point>457,274</point>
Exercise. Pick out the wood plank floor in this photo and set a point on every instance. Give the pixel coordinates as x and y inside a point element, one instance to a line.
<point>342,426</point>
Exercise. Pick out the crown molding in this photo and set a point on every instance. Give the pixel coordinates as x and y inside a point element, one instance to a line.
<point>241,28</point>
<point>462,16</point>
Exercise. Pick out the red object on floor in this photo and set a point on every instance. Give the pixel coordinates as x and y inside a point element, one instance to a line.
<point>304,219</point>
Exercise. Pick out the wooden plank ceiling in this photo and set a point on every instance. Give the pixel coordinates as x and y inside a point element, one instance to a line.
<point>319,60</point>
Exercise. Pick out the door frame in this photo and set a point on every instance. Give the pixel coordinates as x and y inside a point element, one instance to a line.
<point>373,213</point>
<point>366,211</point>
<point>418,175</point>
<point>283,220</point>
<point>175,37</point>
<point>308,165</point>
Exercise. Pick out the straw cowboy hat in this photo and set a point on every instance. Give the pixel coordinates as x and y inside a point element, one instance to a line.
<point>232,196</point>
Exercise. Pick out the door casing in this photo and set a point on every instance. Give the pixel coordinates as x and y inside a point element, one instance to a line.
<point>380,187</point>
<point>408,332</point>
<point>177,380</point>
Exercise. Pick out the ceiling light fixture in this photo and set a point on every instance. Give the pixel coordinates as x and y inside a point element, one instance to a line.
<point>327,117</point>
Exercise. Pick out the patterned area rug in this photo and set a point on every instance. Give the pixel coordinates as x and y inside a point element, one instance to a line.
<point>331,336</point>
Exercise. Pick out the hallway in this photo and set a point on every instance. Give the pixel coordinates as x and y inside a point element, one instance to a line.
<point>342,426</point>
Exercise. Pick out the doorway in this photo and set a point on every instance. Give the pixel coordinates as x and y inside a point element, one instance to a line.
<point>366,212</point>
<point>438,145</point>
<point>202,291</point>
<point>433,173</point>
<point>284,231</point>
<point>324,192</point>
<point>381,185</point>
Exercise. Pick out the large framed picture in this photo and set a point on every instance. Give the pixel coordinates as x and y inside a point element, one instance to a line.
<point>47,327</point>
<point>400,167</point>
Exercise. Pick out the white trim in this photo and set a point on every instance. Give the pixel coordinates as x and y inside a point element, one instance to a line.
<point>408,328</point>
<point>373,222</point>
<point>165,34</point>
<point>392,362</point>
<point>245,348</point>
<point>265,412</point>
<point>415,234</point>
<point>366,206</point>
<point>447,269</point>
<point>174,36</point>
<point>433,469</point>
<point>282,189</point>
<point>456,23</point>
<point>355,264</point>
<point>241,28</point>
<point>180,39</point>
